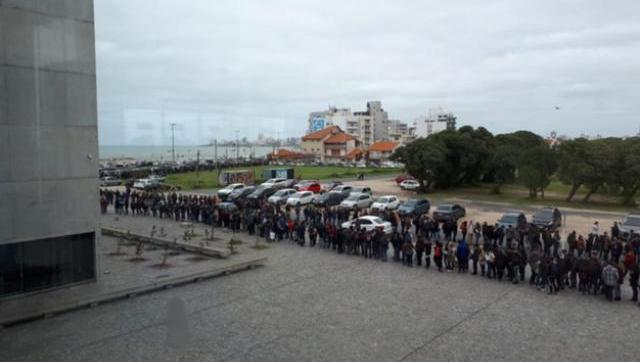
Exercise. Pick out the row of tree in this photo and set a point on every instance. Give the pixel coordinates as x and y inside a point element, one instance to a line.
<point>470,156</point>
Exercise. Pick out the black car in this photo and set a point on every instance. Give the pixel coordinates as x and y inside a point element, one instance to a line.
<point>414,207</point>
<point>262,192</point>
<point>449,212</point>
<point>329,199</point>
<point>241,193</point>
<point>548,218</point>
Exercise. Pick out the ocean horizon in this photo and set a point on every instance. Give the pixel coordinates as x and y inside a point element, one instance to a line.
<point>183,153</point>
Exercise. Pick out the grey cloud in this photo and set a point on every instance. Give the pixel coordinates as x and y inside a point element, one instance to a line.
<point>262,66</point>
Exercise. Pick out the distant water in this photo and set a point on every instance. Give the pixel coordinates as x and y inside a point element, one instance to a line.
<point>183,153</point>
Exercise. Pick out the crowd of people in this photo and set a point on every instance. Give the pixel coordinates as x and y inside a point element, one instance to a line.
<point>596,264</point>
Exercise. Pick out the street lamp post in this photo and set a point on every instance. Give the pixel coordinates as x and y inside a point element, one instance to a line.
<point>173,142</point>
<point>237,147</point>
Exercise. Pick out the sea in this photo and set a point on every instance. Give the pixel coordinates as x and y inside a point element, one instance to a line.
<point>183,153</point>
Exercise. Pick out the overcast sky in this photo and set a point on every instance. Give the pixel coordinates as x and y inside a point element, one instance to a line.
<point>260,66</point>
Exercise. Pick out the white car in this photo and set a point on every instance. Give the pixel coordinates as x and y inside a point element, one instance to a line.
<point>227,190</point>
<point>369,223</point>
<point>388,202</point>
<point>345,189</point>
<point>145,184</point>
<point>275,182</point>
<point>300,198</point>
<point>110,181</point>
<point>409,185</point>
<point>157,178</point>
<point>361,201</point>
<point>281,196</point>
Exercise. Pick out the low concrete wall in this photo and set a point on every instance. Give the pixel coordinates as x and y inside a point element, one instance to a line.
<point>164,243</point>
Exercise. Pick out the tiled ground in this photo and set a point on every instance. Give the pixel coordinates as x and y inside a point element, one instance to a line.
<point>312,304</point>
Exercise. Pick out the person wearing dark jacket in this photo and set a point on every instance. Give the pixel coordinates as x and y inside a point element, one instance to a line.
<point>419,250</point>
<point>634,273</point>
<point>475,256</point>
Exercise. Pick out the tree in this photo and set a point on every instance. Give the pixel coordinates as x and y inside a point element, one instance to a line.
<point>502,167</point>
<point>625,171</point>
<point>572,164</point>
<point>535,167</point>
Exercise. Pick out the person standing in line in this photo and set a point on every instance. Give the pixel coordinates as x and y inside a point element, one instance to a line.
<point>407,251</point>
<point>610,280</point>
<point>462,254</point>
<point>427,253</point>
<point>634,273</point>
<point>437,255</point>
<point>419,250</point>
<point>491,263</point>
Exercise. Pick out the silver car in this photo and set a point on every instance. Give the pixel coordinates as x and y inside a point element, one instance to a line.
<point>281,196</point>
<point>361,201</point>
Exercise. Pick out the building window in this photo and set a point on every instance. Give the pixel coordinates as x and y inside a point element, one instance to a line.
<point>46,263</point>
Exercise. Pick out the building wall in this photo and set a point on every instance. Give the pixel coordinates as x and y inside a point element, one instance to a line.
<point>48,131</point>
<point>368,126</point>
<point>313,147</point>
<point>426,127</point>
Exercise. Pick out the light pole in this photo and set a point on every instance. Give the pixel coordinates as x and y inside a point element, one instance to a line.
<point>173,142</point>
<point>237,147</point>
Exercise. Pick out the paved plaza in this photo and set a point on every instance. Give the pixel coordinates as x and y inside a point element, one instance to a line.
<point>313,304</point>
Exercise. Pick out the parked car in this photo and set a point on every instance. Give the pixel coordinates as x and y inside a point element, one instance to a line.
<point>300,198</point>
<point>629,224</point>
<point>228,207</point>
<point>369,223</point>
<point>262,192</point>
<point>401,178</point>
<point>110,181</point>
<point>414,207</point>
<point>361,201</point>
<point>361,190</point>
<point>146,184</point>
<point>410,185</point>
<point>516,220</point>
<point>242,193</point>
<point>281,196</point>
<point>345,189</point>
<point>388,202</point>
<point>275,182</point>
<point>445,212</point>
<point>224,192</point>
<point>157,178</point>
<point>313,186</point>
<point>329,186</point>
<point>331,198</point>
<point>547,218</point>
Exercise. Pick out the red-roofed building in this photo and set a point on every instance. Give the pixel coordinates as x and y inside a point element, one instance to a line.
<point>284,154</point>
<point>381,151</point>
<point>330,144</point>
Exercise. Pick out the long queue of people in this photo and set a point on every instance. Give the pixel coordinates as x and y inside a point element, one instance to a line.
<point>596,264</point>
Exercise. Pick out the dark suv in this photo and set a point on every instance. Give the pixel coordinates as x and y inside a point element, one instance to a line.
<point>449,212</point>
<point>414,207</point>
<point>548,218</point>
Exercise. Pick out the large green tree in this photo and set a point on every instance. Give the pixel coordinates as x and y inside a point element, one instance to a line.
<point>535,167</point>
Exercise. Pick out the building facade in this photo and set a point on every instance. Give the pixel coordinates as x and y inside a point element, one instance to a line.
<point>381,151</point>
<point>367,126</point>
<point>436,121</point>
<point>330,144</point>
<point>49,212</point>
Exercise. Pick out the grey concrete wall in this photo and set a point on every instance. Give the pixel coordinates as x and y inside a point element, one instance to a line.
<point>48,119</point>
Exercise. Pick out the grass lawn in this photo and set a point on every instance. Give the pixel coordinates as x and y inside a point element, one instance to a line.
<point>209,179</point>
<point>518,196</point>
